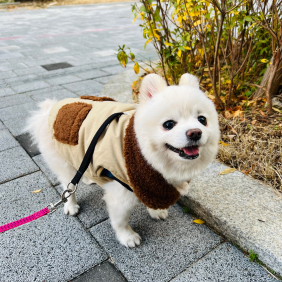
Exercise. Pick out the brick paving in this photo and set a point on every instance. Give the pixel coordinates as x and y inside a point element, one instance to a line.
<point>67,52</point>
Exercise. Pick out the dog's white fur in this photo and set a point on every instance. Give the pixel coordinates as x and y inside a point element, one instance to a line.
<point>158,103</point>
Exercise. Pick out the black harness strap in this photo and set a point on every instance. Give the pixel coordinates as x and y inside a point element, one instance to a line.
<point>89,153</point>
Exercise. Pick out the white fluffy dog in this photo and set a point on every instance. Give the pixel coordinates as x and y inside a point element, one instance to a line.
<point>177,131</point>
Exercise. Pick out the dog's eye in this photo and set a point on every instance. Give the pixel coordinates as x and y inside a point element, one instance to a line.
<point>202,120</point>
<point>168,125</point>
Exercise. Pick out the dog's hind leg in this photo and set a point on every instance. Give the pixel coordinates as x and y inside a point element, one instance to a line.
<point>120,203</point>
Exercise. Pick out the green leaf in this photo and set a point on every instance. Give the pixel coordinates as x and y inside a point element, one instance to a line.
<point>157,14</point>
<point>132,56</point>
<point>143,9</point>
<point>248,19</point>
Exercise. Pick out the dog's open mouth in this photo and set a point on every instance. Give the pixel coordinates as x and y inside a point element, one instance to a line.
<point>190,152</point>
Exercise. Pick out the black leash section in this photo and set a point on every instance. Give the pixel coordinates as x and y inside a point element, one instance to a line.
<point>89,154</point>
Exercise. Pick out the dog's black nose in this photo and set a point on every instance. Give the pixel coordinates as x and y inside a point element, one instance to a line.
<point>194,134</point>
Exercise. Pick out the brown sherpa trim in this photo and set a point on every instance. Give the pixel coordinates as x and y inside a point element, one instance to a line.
<point>98,99</point>
<point>68,122</point>
<point>148,185</point>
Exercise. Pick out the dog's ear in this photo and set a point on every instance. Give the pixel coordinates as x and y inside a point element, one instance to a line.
<point>189,79</point>
<point>151,85</point>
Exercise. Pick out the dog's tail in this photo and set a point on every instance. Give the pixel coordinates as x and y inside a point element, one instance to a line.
<point>37,123</point>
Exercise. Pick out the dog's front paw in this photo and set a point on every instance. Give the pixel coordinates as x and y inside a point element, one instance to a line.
<point>158,214</point>
<point>71,209</point>
<point>129,238</point>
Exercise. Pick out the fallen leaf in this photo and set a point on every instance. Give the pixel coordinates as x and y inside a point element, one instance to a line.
<point>237,108</point>
<point>227,114</point>
<point>262,113</point>
<point>276,110</point>
<point>237,113</point>
<point>233,130</point>
<point>36,191</point>
<point>198,221</point>
<point>222,143</point>
<point>254,121</point>
<point>231,136</point>
<point>227,170</point>
<point>249,170</point>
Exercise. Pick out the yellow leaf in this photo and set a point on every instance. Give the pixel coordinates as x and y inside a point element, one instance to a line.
<point>187,48</point>
<point>237,113</point>
<point>134,83</point>
<point>201,52</point>
<point>168,44</point>
<point>148,41</point>
<point>36,191</point>
<point>276,110</point>
<point>227,170</point>
<point>206,69</point>
<point>224,144</point>
<point>136,68</point>
<point>197,22</point>
<point>134,19</point>
<point>198,221</point>
<point>123,62</point>
<point>156,35</point>
<point>264,60</point>
<point>179,53</point>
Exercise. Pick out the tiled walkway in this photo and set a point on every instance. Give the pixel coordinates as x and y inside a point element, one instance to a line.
<point>59,247</point>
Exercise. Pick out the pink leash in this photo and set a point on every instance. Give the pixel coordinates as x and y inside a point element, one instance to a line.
<point>49,209</point>
<point>24,220</point>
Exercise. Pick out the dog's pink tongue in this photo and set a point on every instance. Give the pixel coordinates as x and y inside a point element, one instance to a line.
<point>191,151</point>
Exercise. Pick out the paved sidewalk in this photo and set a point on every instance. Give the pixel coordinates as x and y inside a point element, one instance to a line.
<point>83,40</point>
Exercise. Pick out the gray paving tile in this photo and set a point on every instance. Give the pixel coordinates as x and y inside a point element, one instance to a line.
<point>104,79</point>
<point>26,142</point>
<point>62,79</point>
<point>10,101</point>
<point>30,86</point>
<point>58,95</point>
<point>52,248</point>
<point>2,126</point>
<point>23,78</point>
<point>115,69</point>
<point>7,74</point>
<point>46,170</point>
<point>18,111</point>
<point>92,208</point>
<point>168,247</point>
<point>105,272</point>
<point>225,263</point>
<point>33,70</point>
<point>15,125</point>
<point>7,141</point>
<point>15,162</point>
<point>6,91</point>
<point>88,85</point>
<point>92,74</point>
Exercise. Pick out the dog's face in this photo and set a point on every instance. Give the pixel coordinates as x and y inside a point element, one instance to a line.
<point>177,126</point>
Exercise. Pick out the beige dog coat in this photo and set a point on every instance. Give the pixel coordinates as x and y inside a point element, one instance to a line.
<point>73,123</point>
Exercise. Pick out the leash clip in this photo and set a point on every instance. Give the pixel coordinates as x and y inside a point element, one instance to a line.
<point>64,198</point>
